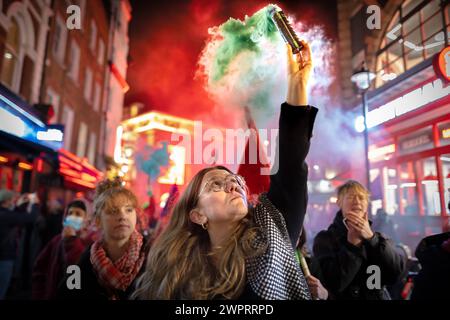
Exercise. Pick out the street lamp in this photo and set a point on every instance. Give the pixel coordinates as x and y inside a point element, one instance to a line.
<point>363,78</point>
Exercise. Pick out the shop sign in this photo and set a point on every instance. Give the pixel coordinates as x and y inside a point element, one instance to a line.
<point>413,100</point>
<point>416,142</point>
<point>441,64</point>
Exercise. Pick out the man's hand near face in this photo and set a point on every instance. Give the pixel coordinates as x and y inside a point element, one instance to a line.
<point>358,228</point>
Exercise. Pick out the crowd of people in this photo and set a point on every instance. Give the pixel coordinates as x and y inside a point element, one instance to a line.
<point>218,245</point>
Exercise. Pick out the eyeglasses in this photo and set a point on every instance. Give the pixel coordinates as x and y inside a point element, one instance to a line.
<point>219,183</point>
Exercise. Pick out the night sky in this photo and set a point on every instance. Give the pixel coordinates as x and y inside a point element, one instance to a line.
<point>166,39</point>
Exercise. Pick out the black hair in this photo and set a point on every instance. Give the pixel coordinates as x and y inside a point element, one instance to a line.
<point>77,204</point>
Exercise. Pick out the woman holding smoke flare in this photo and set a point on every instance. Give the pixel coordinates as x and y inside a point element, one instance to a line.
<point>216,246</point>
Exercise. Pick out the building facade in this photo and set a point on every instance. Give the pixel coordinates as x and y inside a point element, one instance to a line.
<point>408,106</point>
<point>79,70</point>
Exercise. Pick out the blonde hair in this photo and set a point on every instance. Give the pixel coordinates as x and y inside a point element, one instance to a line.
<point>108,190</point>
<point>180,265</point>
<point>352,185</point>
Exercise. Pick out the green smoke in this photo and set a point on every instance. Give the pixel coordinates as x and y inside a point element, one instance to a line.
<point>239,36</point>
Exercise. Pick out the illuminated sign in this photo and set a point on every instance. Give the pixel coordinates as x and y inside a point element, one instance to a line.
<point>375,152</point>
<point>118,147</point>
<point>413,100</point>
<point>12,124</point>
<point>18,122</point>
<point>441,64</point>
<point>50,135</point>
<point>177,160</point>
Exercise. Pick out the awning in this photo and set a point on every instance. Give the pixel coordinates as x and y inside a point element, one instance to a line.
<point>11,143</point>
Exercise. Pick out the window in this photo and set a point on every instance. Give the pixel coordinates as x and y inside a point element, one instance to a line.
<point>391,189</point>
<point>11,55</point>
<point>82,137</point>
<point>92,147</point>
<point>67,121</point>
<point>93,37</point>
<point>412,36</point>
<point>429,184</point>
<point>59,41</point>
<point>88,85</point>
<point>408,189</point>
<point>431,9</point>
<point>409,6</point>
<point>101,52</point>
<point>74,62</point>
<point>445,159</point>
<point>53,99</point>
<point>97,93</point>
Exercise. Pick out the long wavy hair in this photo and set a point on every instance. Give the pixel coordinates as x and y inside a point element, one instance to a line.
<point>180,262</point>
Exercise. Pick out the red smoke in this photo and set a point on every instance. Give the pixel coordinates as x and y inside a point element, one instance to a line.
<point>166,40</point>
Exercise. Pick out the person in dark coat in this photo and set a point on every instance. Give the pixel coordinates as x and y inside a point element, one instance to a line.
<point>12,217</point>
<point>433,280</point>
<point>62,251</point>
<point>108,268</point>
<point>349,246</point>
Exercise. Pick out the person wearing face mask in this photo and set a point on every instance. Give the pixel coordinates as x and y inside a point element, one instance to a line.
<point>216,245</point>
<point>63,250</point>
<point>13,214</point>
<point>110,265</point>
<point>349,246</point>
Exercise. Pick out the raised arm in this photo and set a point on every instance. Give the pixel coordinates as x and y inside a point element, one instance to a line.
<point>288,182</point>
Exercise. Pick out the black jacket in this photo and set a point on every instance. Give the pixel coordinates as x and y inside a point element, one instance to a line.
<point>342,267</point>
<point>91,289</point>
<point>280,213</point>
<point>9,221</point>
<point>433,281</point>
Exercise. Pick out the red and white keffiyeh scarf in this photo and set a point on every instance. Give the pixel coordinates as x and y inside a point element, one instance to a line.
<point>120,274</point>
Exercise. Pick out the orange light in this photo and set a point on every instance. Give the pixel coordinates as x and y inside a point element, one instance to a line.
<point>3,159</point>
<point>88,177</point>
<point>446,133</point>
<point>69,172</point>
<point>25,166</point>
<point>70,163</point>
<point>81,182</point>
<point>69,155</point>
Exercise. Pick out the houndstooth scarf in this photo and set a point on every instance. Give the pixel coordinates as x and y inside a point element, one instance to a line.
<point>275,275</point>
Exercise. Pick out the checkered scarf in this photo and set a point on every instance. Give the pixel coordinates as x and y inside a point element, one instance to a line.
<point>120,274</point>
<point>275,275</point>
